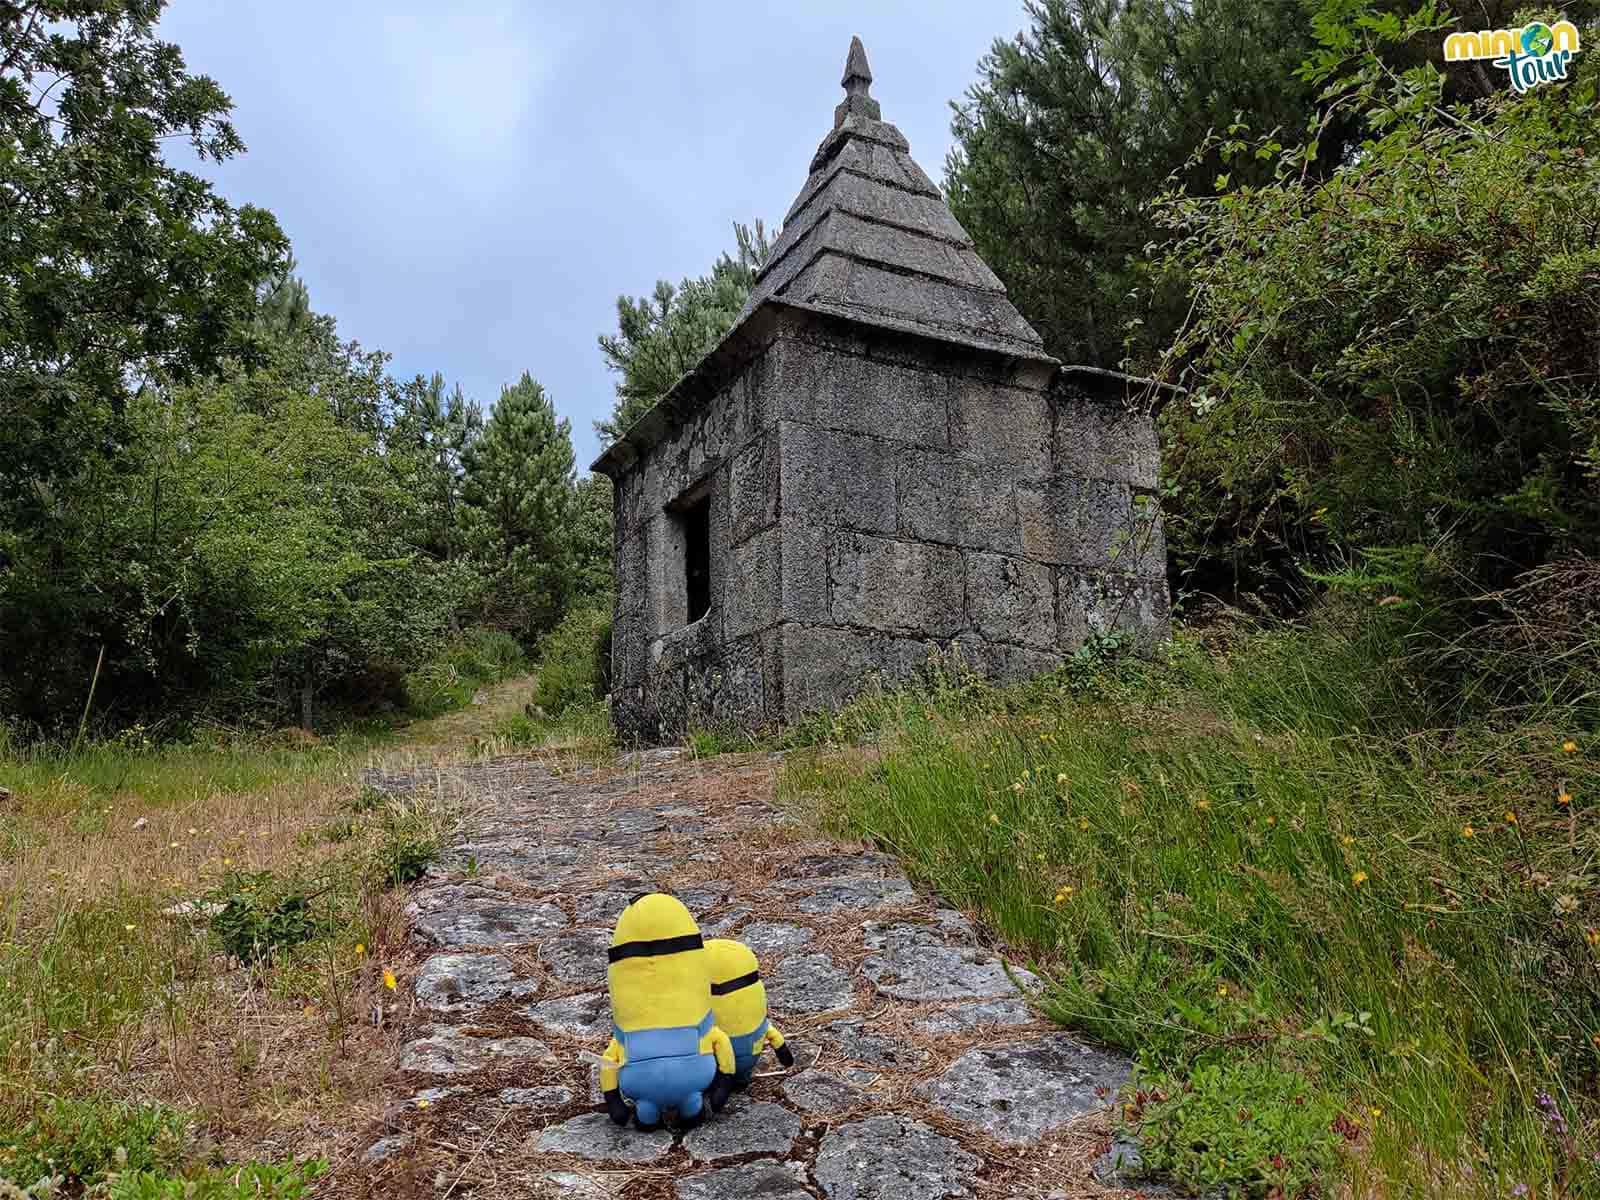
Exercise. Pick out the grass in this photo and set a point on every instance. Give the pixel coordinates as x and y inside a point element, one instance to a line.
<point>1252,860</point>
<point>192,940</point>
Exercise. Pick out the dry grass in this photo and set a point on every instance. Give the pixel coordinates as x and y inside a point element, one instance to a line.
<point>114,990</point>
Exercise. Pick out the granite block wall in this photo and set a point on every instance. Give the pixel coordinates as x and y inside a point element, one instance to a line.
<point>875,499</point>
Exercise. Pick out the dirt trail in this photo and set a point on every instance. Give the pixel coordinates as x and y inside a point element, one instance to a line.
<point>921,1071</point>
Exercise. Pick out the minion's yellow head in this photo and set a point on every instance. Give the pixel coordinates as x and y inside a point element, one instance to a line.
<point>658,966</point>
<point>738,997</point>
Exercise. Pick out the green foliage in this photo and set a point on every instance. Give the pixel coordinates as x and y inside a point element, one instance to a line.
<point>260,914</point>
<point>1253,854</point>
<point>408,844</point>
<point>661,337</point>
<point>81,1142</point>
<point>1076,124</point>
<point>1249,1127</point>
<point>119,266</point>
<point>1390,352</point>
<point>252,1181</point>
<point>575,660</point>
<point>592,521</point>
<point>519,501</point>
<point>468,662</point>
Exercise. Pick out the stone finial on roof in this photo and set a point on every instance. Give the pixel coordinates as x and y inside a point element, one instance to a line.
<point>856,83</point>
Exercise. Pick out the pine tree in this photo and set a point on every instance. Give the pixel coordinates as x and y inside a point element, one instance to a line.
<point>662,337</point>
<point>518,503</point>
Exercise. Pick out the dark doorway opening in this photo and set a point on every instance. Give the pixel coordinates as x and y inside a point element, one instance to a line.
<point>697,557</point>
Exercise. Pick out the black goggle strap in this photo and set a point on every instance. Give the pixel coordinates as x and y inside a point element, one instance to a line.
<point>733,985</point>
<point>649,949</point>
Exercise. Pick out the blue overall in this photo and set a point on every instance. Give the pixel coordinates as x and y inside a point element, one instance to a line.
<point>663,1068</point>
<point>745,1053</point>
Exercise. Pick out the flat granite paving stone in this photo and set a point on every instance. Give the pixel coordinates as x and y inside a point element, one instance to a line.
<point>910,972</point>
<point>536,1097</point>
<point>594,1137</point>
<point>743,1127</point>
<point>972,1018</point>
<point>521,856</point>
<point>577,956</point>
<point>852,894</point>
<point>858,1043</point>
<point>808,983</point>
<point>446,1050</point>
<point>461,982</point>
<point>893,1158</point>
<point>452,896</point>
<point>763,1179</point>
<point>571,1184</point>
<point>586,1015</point>
<point>603,908</point>
<point>509,924</point>
<point>775,937</point>
<point>1019,1092</point>
<point>801,872</point>
<point>907,935</point>
<point>723,924</point>
<point>815,1091</point>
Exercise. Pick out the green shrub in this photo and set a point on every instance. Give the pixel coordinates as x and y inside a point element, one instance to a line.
<point>1248,1127</point>
<point>1253,849</point>
<point>452,677</point>
<point>260,914</point>
<point>575,660</point>
<point>83,1141</point>
<point>409,845</point>
<point>252,1181</point>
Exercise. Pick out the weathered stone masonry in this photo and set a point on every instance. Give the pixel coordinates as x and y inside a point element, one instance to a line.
<point>879,461</point>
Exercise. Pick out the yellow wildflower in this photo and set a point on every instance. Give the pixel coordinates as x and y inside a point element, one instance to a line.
<point>422,1102</point>
<point>1376,1111</point>
<point>1467,831</point>
<point>361,949</point>
<point>1347,840</point>
<point>1064,894</point>
<point>1511,817</point>
<point>1222,989</point>
<point>1203,804</point>
<point>1564,799</point>
<point>1358,878</point>
<point>1272,820</point>
<point>1083,824</point>
<point>1592,936</point>
<point>388,979</point>
<point>1569,747</point>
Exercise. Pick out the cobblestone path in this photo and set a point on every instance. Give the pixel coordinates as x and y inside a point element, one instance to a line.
<point>921,1071</point>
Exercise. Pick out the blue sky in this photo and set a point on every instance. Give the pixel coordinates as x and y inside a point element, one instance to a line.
<point>470,186</point>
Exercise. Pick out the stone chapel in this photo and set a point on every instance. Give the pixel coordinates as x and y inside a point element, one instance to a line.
<point>878,462</point>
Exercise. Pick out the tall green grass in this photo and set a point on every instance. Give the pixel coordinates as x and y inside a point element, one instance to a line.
<point>1256,854</point>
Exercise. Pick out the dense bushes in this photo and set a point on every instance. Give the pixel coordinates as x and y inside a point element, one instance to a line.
<point>1396,360</point>
<point>575,660</point>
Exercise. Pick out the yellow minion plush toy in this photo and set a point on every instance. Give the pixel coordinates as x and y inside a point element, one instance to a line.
<point>666,1050</point>
<point>739,1002</point>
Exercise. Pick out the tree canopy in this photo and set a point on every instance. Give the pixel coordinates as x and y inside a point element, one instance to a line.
<point>662,336</point>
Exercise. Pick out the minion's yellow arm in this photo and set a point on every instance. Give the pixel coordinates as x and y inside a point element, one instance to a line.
<point>774,1038</point>
<point>722,1047</point>
<point>615,1059</point>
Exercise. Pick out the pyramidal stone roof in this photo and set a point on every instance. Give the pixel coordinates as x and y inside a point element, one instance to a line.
<point>870,238</point>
